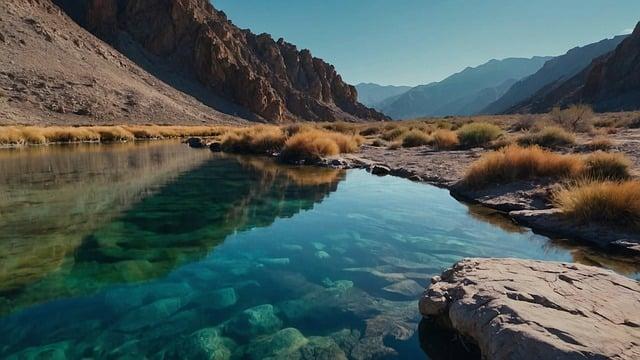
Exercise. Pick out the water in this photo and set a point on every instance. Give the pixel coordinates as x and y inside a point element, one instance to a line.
<point>157,250</point>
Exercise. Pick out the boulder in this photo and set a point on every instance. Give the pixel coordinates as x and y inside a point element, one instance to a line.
<point>196,143</point>
<point>380,170</point>
<point>215,146</point>
<point>525,309</point>
<point>254,321</point>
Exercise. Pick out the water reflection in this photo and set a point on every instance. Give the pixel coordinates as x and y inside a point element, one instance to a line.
<point>96,216</point>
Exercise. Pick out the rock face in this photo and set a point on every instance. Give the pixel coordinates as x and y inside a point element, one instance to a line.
<point>610,83</point>
<point>53,71</point>
<point>192,40</point>
<point>522,309</point>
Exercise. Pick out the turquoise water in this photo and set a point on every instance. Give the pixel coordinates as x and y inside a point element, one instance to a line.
<point>160,251</point>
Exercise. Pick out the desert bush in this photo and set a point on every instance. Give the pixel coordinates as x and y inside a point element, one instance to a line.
<point>260,139</point>
<point>415,138</point>
<point>10,135</point>
<point>634,123</point>
<point>394,134</point>
<point>370,130</point>
<point>113,133</point>
<point>551,136</point>
<point>517,163</point>
<point>600,143</point>
<point>443,139</point>
<point>608,202</point>
<point>341,127</point>
<point>394,145</point>
<point>576,118</point>
<point>312,145</point>
<point>606,166</point>
<point>378,143</point>
<point>525,122</point>
<point>478,134</point>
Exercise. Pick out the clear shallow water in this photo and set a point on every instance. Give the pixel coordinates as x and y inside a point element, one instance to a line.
<point>161,251</point>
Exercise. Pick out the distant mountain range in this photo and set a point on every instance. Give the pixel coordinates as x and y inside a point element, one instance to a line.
<point>610,82</point>
<point>556,69</point>
<point>371,95</point>
<point>464,93</point>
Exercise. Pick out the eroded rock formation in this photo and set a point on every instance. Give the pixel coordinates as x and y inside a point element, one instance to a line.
<point>524,309</point>
<point>272,79</point>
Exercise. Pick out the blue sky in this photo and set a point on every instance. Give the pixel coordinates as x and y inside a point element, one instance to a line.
<point>411,42</point>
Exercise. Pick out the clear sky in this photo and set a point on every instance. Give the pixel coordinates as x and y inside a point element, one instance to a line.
<point>411,42</point>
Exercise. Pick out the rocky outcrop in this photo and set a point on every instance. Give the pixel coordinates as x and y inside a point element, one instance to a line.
<point>524,309</point>
<point>610,83</point>
<point>272,79</point>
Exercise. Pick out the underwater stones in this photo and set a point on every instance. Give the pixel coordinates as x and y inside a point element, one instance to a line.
<point>322,255</point>
<point>223,298</point>
<point>258,320</point>
<point>320,348</point>
<point>204,344</point>
<point>129,297</point>
<point>150,314</point>
<point>318,245</point>
<point>281,345</point>
<point>405,287</point>
<point>340,285</point>
<point>275,261</point>
<point>196,143</point>
<point>292,247</point>
<point>56,351</point>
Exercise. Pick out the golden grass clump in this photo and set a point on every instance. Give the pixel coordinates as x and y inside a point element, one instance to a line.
<point>415,138</point>
<point>517,163</point>
<point>606,166</point>
<point>394,134</point>
<point>444,139</point>
<point>550,136</point>
<point>262,139</point>
<point>608,202</point>
<point>600,143</point>
<point>312,145</point>
<point>478,134</point>
<point>113,133</point>
<point>576,118</point>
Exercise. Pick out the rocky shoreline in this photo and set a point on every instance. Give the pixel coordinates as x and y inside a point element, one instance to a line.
<point>527,203</point>
<point>524,309</point>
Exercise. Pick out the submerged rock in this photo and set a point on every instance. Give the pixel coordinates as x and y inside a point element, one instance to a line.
<point>281,345</point>
<point>150,314</point>
<point>523,309</point>
<point>322,255</point>
<point>405,287</point>
<point>380,170</point>
<point>196,143</point>
<point>223,298</point>
<point>255,321</point>
<point>205,344</point>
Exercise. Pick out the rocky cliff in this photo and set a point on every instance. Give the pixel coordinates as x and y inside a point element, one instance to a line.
<point>181,41</point>
<point>610,83</point>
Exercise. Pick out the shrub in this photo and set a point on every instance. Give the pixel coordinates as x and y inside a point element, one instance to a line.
<point>415,138</point>
<point>606,166</point>
<point>394,134</point>
<point>516,163</point>
<point>254,140</point>
<point>314,144</point>
<point>610,202</point>
<point>113,133</point>
<point>378,143</point>
<point>341,127</point>
<point>634,123</point>
<point>600,143</point>
<point>478,134</point>
<point>526,122</point>
<point>575,118</point>
<point>551,136</point>
<point>394,145</point>
<point>445,139</point>
<point>10,135</point>
<point>371,130</point>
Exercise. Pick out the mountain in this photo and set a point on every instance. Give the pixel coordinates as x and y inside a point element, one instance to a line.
<point>463,93</point>
<point>158,61</point>
<point>187,41</point>
<point>610,83</point>
<point>371,94</point>
<point>556,69</point>
<point>54,72</point>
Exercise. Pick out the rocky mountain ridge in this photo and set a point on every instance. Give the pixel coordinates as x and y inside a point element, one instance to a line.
<point>610,83</point>
<point>191,45</point>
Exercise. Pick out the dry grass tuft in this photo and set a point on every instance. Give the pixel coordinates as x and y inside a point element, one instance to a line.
<point>517,163</point>
<point>395,133</point>
<point>551,136</point>
<point>312,145</point>
<point>600,143</point>
<point>608,202</point>
<point>261,139</point>
<point>478,134</point>
<point>415,138</point>
<point>606,166</point>
<point>443,139</point>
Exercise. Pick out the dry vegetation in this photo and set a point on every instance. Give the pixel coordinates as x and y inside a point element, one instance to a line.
<point>616,203</point>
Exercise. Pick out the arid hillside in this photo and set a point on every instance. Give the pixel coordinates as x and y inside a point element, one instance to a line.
<point>54,72</point>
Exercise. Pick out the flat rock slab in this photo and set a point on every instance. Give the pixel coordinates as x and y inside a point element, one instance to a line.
<point>523,309</point>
